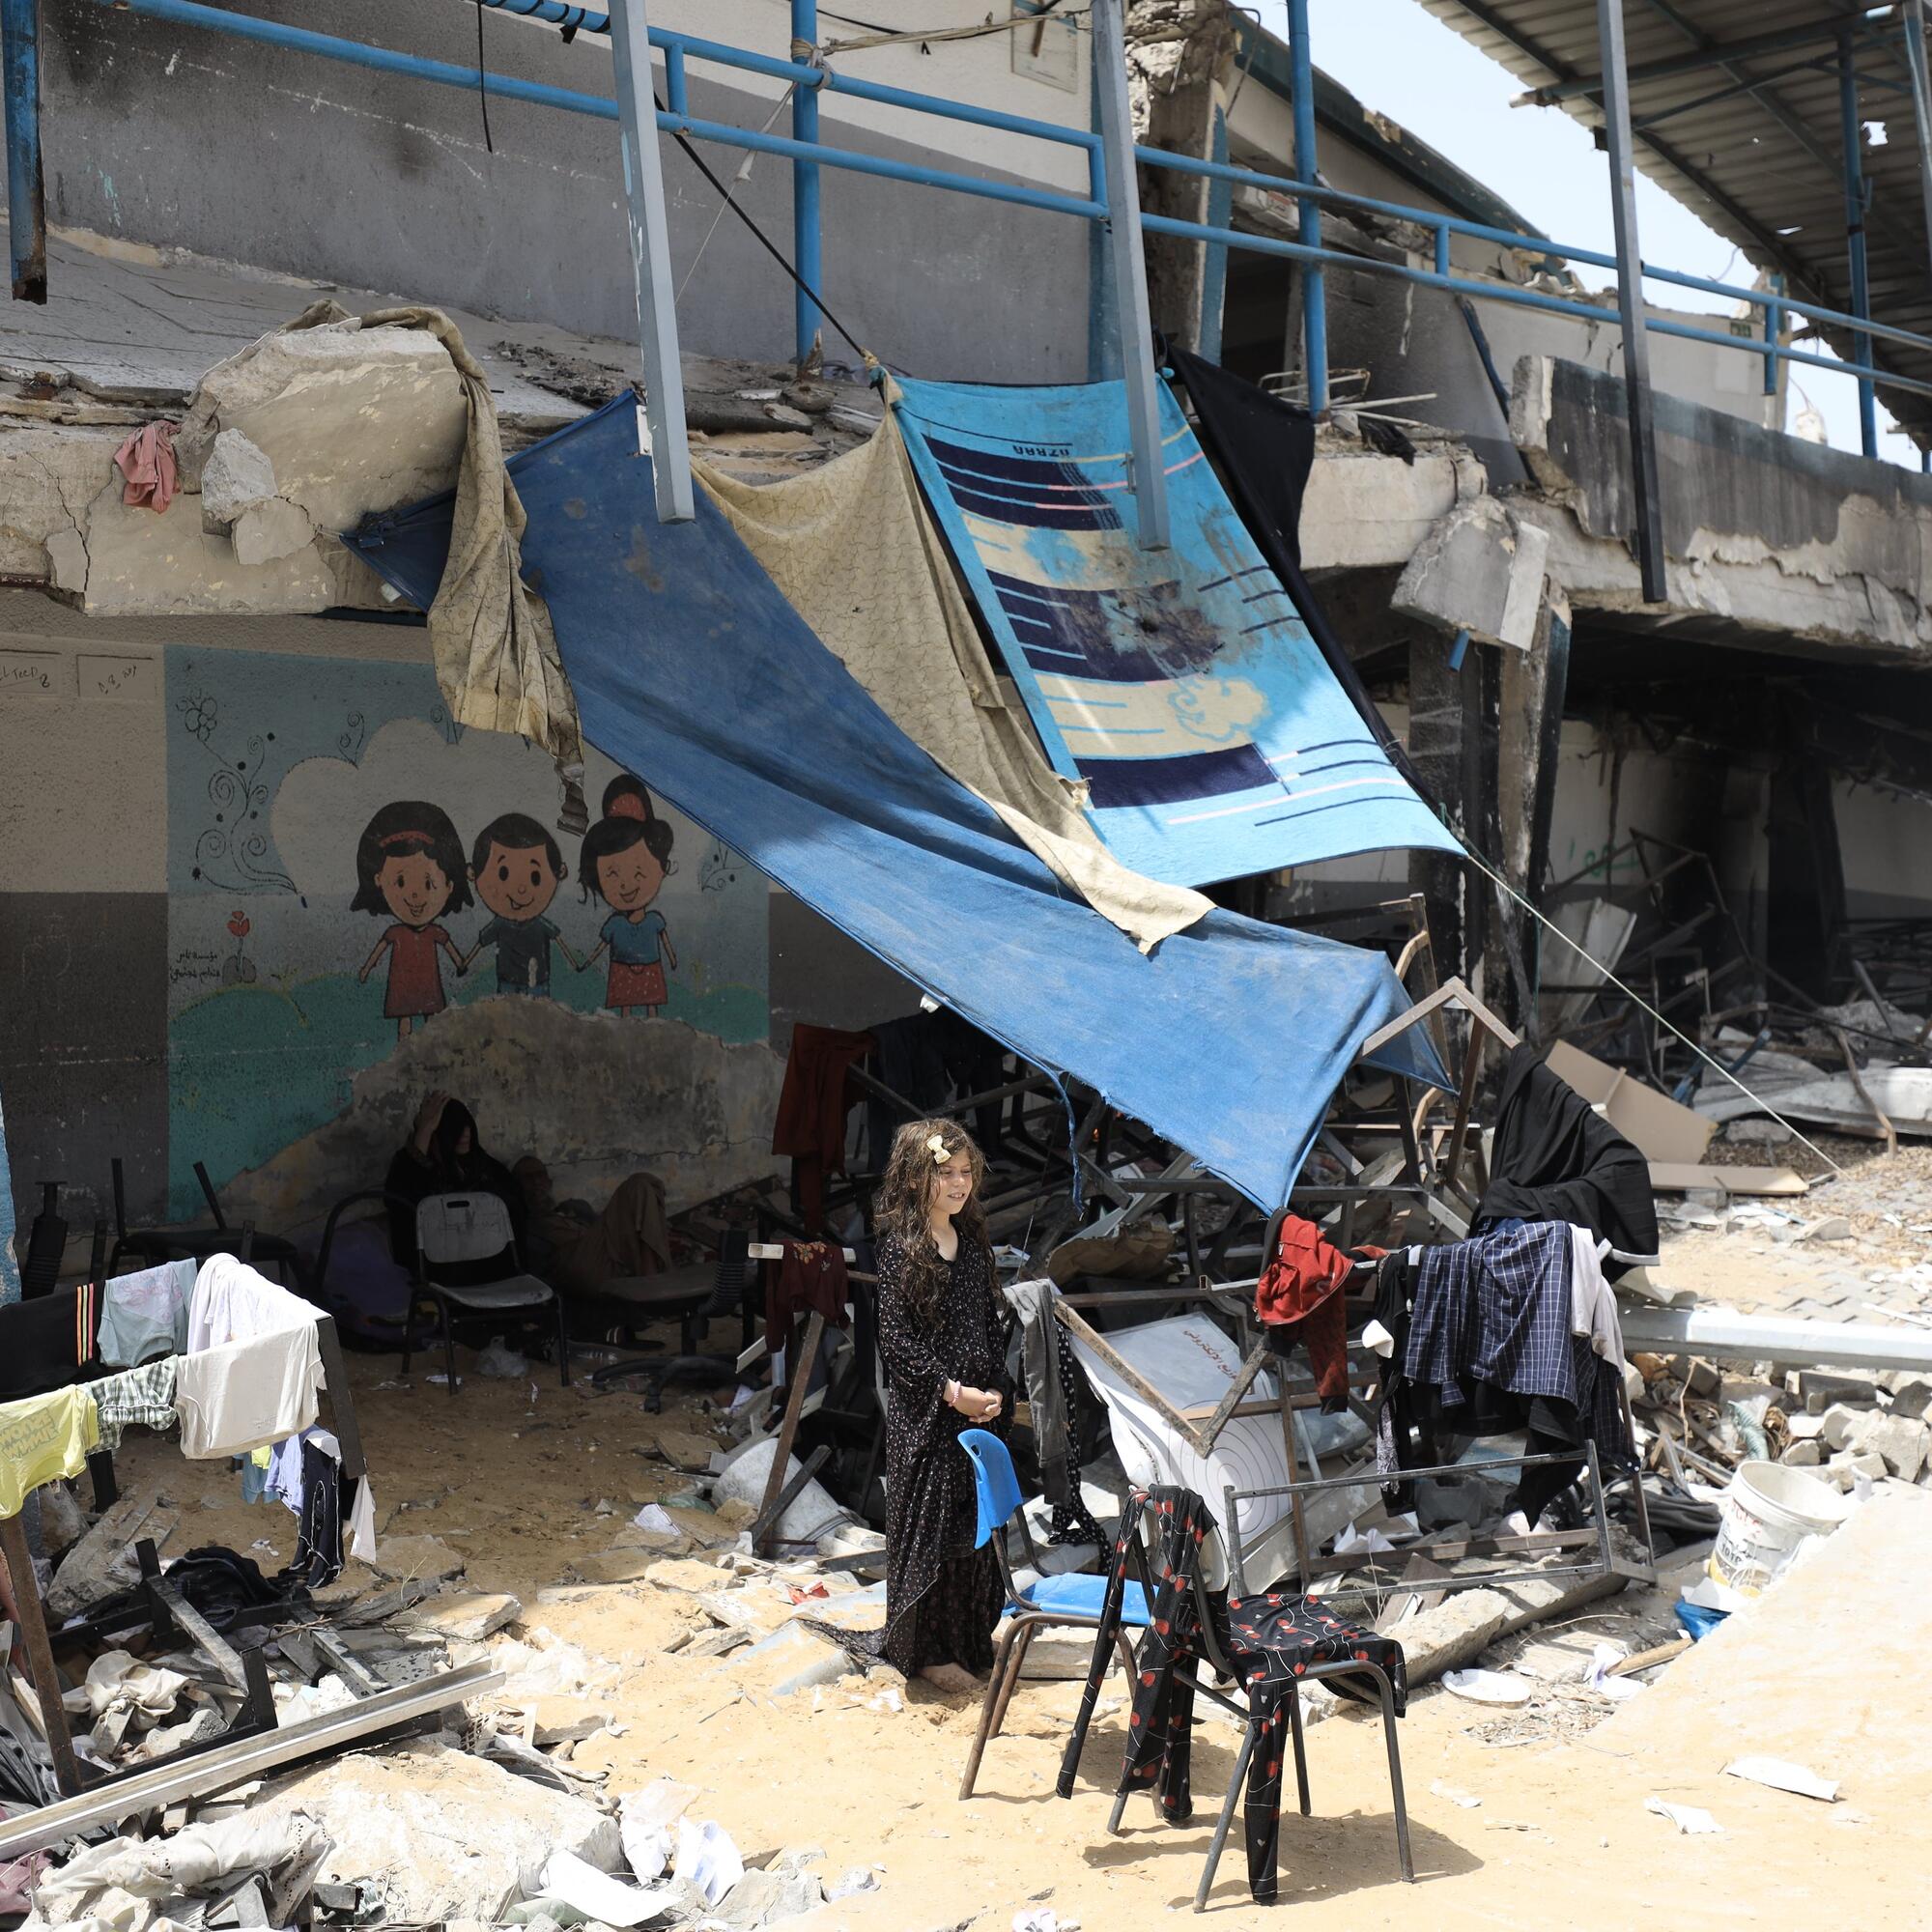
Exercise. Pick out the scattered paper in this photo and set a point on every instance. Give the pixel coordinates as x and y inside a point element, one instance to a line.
<point>1486,1686</point>
<point>596,1894</point>
<point>708,1859</point>
<point>1688,1818</point>
<point>1781,1776</point>
<point>646,1822</point>
<point>1351,1541</point>
<point>1708,1594</point>
<point>1603,1660</point>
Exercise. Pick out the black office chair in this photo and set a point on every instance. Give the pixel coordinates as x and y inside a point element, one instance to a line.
<point>693,1296</point>
<point>150,1247</point>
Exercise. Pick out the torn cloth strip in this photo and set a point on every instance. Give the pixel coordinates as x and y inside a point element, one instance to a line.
<point>692,670</point>
<point>853,548</point>
<point>1265,448</point>
<point>1181,685</point>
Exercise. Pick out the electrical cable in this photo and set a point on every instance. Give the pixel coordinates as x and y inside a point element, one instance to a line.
<point>482,82</point>
<point>1710,1060</point>
<point>765,241</point>
<point>738,180</point>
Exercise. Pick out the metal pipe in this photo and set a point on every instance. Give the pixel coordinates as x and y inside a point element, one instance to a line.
<point>1773,328</point>
<point>1785,1340</point>
<point>26,196</point>
<point>1127,273</point>
<point>1644,485</point>
<point>650,266</point>
<point>1813,34</point>
<point>1314,283</point>
<point>676,46</point>
<point>1921,102</point>
<point>805,187</point>
<point>1855,237</point>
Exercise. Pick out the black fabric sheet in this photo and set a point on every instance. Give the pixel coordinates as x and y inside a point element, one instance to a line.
<point>1263,449</point>
<point>1555,1158</point>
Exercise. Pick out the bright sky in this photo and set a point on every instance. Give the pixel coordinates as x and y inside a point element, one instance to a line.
<point>1401,61</point>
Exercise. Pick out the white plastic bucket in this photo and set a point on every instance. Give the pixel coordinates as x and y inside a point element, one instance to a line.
<point>1768,1513</point>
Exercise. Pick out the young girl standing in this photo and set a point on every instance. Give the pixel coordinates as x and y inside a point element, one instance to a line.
<point>943,1337</point>
<point>625,860</point>
<point>409,863</point>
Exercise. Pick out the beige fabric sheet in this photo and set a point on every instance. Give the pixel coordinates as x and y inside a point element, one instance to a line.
<point>856,554</point>
<point>497,661</point>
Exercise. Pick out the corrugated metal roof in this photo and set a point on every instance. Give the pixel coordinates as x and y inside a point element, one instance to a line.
<point>1762,166</point>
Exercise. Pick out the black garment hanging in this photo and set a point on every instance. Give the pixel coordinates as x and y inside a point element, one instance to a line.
<point>1263,449</point>
<point>1555,1158</point>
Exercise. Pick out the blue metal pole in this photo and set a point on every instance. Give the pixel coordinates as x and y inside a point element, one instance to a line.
<point>1773,328</point>
<point>805,197</point>
<point>1855,238</point>
<point>26,198</point>
<point>1313,281</point>
<point>663,414</point>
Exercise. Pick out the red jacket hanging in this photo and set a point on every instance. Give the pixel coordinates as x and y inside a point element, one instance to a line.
<point>1299,1293</point>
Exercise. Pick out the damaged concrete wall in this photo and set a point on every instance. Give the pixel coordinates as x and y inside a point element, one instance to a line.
<point>246,153</point>
<point>1772,541</point>
<point>257,889</point>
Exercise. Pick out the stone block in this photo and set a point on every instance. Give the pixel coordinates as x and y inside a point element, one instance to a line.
<point>789,1661</point>
<point>1802,1456</point>
<point>680,1573</point>
<point>266,532</point>
<point>1867,1462</point>
<point>426,1559</point>
<point>1912,1399</point>
<point>1452,1634</point>
<point>469,1617</point>
<point>1901,1441</point>
<point>1480,570</point>
<point>235,476</point>
<point>1804,1427</point>
<point>1838,1423</point>
<point>1827,1387</point>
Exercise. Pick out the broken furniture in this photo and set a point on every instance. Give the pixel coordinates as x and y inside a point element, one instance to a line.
<point>229,1763</point>
<point>460,1231</point>
<point>693,1296</point>
<point>1075,1602</point>
<point>152,1246</point>
<point>163,1610</point>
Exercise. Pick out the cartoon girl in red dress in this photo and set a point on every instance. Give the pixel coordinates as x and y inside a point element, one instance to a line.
<point>625,860</point>
<point>409,863</point>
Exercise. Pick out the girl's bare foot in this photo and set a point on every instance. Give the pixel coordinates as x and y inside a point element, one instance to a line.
<point>954,1679</point>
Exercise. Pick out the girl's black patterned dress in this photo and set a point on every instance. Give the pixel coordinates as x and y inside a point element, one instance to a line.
<point>942,1596</point>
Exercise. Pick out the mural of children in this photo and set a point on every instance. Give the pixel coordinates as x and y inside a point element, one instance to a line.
<point>408,863</point>
<point>625,860</point>
<point>516,868</point>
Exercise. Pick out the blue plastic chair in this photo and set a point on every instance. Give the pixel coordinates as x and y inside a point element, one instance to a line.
<point>1074,1601</point>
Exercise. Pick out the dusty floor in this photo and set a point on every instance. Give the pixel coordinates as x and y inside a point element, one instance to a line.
<point>1560,1839</point>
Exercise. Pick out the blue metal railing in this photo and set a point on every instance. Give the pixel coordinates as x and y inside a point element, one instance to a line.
<point>1772,305</point>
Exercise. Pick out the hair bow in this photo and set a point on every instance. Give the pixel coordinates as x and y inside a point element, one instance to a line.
<point>941,1154</point>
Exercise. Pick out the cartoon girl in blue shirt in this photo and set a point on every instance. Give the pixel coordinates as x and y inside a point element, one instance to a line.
<point>625,860</point>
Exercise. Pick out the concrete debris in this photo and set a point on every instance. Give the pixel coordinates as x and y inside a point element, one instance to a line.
<point>442,1834</point>
<point>235,476</point>
<point>265,532</point>
<point>102,1562</point>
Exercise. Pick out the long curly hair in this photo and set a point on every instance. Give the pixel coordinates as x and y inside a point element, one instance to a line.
<point>902,1208</point>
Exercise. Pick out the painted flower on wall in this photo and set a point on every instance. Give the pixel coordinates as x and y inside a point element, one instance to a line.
<point>199,715</point>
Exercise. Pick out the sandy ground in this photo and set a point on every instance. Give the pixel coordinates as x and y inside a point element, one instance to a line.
<point>511,1480</point>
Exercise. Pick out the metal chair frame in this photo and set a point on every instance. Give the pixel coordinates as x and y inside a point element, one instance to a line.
<point>1024,1621</point>
<point>729,1285</point>
<point>1216,1656</point>
<point>447,1297</point>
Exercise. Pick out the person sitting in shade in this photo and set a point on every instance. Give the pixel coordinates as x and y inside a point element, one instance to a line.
<point>580,1250</point>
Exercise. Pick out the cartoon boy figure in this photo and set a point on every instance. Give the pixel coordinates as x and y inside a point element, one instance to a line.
<point>409,863</point>
<point>516,868</point>
<point>625,860</point>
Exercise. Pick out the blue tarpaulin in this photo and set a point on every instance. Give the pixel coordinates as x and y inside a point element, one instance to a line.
<point>1181,684</point>
<point>694,673</point>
